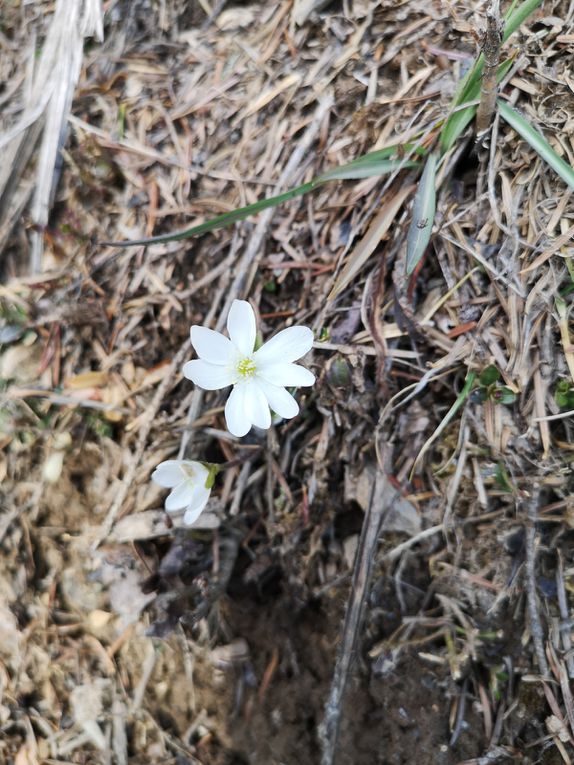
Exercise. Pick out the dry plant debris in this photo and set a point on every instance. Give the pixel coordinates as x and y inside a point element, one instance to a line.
<point>125,639</point>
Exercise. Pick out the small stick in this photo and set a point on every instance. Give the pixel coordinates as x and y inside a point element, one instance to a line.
<point>329,729</point>
<point>491,52</point>
<point>459,721</point>
<point>535,622</point>
<point>564,615</point>
<point>147,670</point>
<point>488,92</point>
<point>219,6</point>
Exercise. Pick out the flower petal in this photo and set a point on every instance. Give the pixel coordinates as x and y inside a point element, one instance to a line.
<point>195,508</point>
<point>280,400</point>
<point>288,345</point>
<point>208,376</point>
<point>257,406</point>
<point>168,474</point>
<point>236,414</point>
<point>199,494</point>
<point>286,374</point>
<point>241,327</point>
<point>180,497</point>
<point>211,346</point>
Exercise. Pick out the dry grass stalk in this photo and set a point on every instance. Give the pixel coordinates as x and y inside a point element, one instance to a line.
<point>530,507</point>
<point>46,111</point>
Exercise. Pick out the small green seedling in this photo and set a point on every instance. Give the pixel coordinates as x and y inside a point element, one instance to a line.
<point>490,389</point>
<point>502,479</point>
<point>564,394</point>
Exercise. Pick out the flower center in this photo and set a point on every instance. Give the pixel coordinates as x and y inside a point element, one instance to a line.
<point>246,368</point>
<point>189,473</point>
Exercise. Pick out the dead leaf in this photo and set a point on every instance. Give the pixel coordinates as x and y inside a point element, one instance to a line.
<point>402,515</point>
<point>86,380</point>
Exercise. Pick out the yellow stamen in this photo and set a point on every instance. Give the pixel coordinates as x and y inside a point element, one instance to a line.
<point>246,368</point>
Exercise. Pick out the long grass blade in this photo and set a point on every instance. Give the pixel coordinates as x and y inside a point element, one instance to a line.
<point>423,215</point>
<point>365,170</point>
<point>220,221</point>
<point>372,164</point>
<point>515,17</point>
<point>537,141</point>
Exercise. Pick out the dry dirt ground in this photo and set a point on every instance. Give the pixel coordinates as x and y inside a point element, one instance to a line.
<point>127,639</point>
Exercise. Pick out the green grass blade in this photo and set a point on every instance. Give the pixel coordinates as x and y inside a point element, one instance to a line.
<point>372,164</point>
<point>358,170</point>
<point>460,399</point>
<point>515,18</point>
<point>423,215</point>
<point>375,159</point>
<point>538,142</point>
<point>469,88</point>
<point>221,221</point>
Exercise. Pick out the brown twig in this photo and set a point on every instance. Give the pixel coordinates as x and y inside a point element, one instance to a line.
<point>491,52</point>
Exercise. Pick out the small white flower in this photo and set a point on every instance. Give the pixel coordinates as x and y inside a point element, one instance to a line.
<point>259,378</point>
<point>187,479</point>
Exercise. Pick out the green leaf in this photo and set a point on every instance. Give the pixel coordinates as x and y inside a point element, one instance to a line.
<point>489,376</point>
<point>537,141</point>
<point>423,215</point>
<point>503,395</point>
<point>372,164</point>
<point>570,267</point>
<point>564,394</point>
<point>479,395</point>
<point>339,373</point>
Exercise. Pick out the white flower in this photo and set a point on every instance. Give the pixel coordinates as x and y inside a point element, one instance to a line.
<point>259,378</point>
<point>187,479</point>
